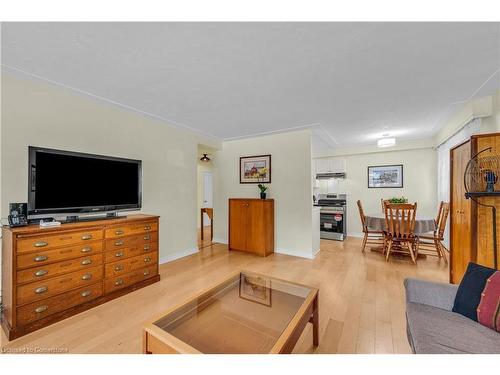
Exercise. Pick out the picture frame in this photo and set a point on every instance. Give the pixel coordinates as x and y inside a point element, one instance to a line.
<point>255,289</point>
<point>255,169</point>
<point>385,176</point>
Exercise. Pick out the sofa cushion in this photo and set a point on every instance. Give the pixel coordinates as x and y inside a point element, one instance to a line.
<point>436,331</point>
<point>488,311</point>
<point>470,289</point>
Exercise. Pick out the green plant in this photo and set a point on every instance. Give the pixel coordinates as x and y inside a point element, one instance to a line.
<point>398,200</point>
<point>262,188</point>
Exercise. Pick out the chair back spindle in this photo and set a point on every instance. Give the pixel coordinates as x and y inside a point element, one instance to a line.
<point>361,214</point>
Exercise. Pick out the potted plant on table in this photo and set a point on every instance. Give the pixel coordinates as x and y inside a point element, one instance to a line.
<point>396,200</point>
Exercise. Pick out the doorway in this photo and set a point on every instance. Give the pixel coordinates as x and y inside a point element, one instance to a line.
<point>205,196</point>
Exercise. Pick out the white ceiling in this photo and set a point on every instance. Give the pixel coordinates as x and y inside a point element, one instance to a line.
<point>350,81</point>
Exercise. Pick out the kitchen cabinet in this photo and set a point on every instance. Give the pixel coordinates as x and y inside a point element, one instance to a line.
<point>330,165</point>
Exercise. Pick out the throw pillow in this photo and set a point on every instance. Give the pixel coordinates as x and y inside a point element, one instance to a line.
<point>470,289</point>
<point>488,311</point>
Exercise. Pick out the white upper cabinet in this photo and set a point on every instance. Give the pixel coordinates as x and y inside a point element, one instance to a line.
<point>330,165</point>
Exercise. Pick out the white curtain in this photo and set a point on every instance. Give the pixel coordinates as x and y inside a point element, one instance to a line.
<point>443,150</point>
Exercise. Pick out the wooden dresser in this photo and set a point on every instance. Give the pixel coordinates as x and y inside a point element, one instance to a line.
<point>251,225</point>
<point>53,273</point>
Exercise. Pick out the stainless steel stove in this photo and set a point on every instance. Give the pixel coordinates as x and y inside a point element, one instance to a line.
<point>333,222</point>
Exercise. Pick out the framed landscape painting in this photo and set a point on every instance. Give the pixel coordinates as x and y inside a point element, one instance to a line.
<point>385,176</point>
<point>255,169</point>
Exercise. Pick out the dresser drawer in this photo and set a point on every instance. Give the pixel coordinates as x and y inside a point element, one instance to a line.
<point>131,229</point>
<point>41,258</point>
<point>38,310</point>
<point>47,288</point>
<point>116,283</point>
<point>37,243</point>
<point>118,254</point>
<point>131,264</point>
<point>131,241</point>
<point>60,268</point>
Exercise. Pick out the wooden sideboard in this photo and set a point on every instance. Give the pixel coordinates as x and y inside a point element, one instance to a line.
<point>49,274</point>
<point>251,225</point>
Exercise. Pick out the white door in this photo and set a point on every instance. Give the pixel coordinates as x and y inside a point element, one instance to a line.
<point>208,194</point>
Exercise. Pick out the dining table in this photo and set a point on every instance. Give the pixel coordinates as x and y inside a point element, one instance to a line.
<point>376,221</point>
<point>423,224</point>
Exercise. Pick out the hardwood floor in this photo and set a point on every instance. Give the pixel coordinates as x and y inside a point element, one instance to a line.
<point>362,308</point>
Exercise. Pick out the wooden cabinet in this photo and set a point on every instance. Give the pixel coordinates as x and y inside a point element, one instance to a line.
<point>251,225</point>
<point>53,273</point>
<point>471,238</point>
<point>460,214</point>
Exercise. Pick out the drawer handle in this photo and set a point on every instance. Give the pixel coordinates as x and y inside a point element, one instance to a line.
<point>118,232</point>
<point>41,273</point>
<point>86,293</point>
<point>146,273</point>
<point>119,243</point>
<point>147,260</point>
<point>87,276</point>
<point>119,254</point>
<point>86,250</point>
<point>119,267</point>
<point>86,237</point>
<point>41,309</point>
<point>147,238</point>
<point>41,290</point>
<point>40,258</point>
<point>146,247</point>
<point>118,282</point>
<point>41,244</point>
<point>86,261</point>
<point>147,227</point>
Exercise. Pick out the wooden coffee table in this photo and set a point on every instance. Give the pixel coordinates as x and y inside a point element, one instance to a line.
<point>245,313</point>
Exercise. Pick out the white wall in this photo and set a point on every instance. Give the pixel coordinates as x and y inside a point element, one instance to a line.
<point>41,114</point>
<point>291,187</point>
<point>419,183</point>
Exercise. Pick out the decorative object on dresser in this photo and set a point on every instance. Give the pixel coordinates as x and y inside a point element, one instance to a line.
<point>263,190</point>
<point>251,225</point>
<point>255,169</point>
<point>385,176</point>
<point>51,274</point>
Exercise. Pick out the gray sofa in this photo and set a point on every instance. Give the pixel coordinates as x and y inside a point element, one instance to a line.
<point>433,328</point>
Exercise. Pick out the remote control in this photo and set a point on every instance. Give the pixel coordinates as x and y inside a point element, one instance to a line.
<point>49,224</point>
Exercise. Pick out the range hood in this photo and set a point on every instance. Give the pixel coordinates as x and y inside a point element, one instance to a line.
<point>329,176</point>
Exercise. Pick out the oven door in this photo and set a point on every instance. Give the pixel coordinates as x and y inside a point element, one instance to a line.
<point>332,224</point>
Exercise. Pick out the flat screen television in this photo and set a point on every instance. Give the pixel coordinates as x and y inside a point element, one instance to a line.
<point>72,182</point>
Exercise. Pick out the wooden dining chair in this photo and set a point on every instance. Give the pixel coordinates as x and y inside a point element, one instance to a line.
<point>383,202</point>
<point>400,229</point>
<point>370,236</point>
<point>432,244</point>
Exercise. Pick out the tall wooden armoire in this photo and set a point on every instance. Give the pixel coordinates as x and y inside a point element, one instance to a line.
<point>471,238</point>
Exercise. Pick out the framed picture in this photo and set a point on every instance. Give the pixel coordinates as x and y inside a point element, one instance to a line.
<point>255,169</point>
<point>385,176</point>
<point>255,289</point>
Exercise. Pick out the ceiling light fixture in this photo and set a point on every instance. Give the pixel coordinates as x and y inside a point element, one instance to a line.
<point>386,142</point>
<point>205,158</point>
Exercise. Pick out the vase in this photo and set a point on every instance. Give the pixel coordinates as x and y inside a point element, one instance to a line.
<point>262,195</point>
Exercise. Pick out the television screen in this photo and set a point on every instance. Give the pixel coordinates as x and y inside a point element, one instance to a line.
<point>62,181</point>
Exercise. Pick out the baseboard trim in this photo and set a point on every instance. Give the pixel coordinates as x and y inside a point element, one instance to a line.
<point>219,240</point>
<point>178,255</point>
<point>355,234</point>
<point>300,254</point>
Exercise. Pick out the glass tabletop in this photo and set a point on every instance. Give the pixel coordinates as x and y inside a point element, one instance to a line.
<point>245,314</point>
